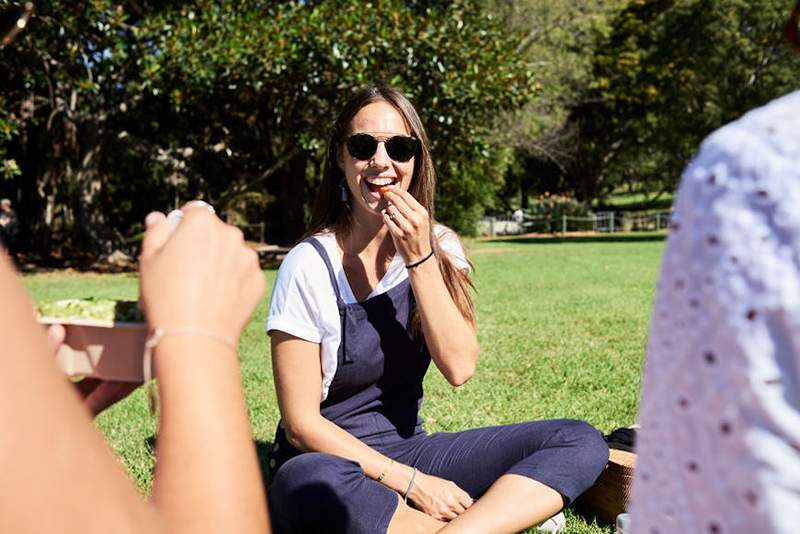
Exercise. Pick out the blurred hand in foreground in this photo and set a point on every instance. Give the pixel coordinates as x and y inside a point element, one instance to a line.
<point>226,282</point>
<point>97,394</point>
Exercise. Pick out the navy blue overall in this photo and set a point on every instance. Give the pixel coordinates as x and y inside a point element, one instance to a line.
<point>375,395</point>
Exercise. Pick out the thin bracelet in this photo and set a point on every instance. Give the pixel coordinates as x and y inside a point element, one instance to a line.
<point>410,485</point>
<point>156,337</point>
<point>420,262</point>
<point>383,474</point>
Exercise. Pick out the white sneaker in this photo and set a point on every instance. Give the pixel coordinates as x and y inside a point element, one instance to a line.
<point>557,523</point>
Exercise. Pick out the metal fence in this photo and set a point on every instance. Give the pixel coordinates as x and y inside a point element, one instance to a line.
<point>605,221</point>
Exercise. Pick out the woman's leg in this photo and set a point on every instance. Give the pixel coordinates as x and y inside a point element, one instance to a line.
<point>521,474</point>
<point>407,520</point>
<point>317,492</point>
<point>512,504</point>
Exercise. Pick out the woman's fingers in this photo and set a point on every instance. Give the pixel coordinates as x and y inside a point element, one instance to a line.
<point>156,233</point>
<point>459,499</point>
<point>202,275</point>
<point>397,222</point>
<point>410,225</point>
<point>56,334</point>
<point>407,198</point>
<point>408,206</point>
<point>465,500</point>
<point>457,508</point>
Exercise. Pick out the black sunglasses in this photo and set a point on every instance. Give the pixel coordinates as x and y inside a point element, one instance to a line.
<point>399,147</point>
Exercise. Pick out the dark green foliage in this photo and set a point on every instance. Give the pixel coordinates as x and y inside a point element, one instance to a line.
<point>671,72</point>
<point>546,212</point>
<point>112,109</point>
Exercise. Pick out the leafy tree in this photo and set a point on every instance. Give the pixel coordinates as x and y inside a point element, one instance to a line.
<point>272,78</point>
<point>670,73</point>
<point>65,81</point>
<point>114,108</point>
<point>559,39</point>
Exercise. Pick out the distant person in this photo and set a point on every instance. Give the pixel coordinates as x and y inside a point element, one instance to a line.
<point>719,446</point>
<point>9,226</point>
<point>360,308</point>
<point>199,286</point>
<point>518,217</point>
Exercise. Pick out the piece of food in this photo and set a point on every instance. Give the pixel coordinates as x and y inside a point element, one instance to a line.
<point>384,189</point>
<point>103,310</point>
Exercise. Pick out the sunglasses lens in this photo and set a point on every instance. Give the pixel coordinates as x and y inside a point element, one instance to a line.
<point>362,146</point>
<point>402,148</point>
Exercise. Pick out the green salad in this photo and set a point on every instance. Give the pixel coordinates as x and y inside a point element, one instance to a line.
<point>106,310</point>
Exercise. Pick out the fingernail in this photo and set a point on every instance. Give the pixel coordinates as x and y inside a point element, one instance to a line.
<point>151,219</point>
<point>200,204</point>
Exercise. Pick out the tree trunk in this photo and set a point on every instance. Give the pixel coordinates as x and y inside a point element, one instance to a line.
<point>92,224</point>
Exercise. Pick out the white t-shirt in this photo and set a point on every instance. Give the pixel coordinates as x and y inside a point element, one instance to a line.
<point>719,445</point>
<point>304,303</point>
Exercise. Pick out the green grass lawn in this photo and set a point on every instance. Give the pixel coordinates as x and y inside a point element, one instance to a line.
<point>562,327</point>
<point>634,202</point>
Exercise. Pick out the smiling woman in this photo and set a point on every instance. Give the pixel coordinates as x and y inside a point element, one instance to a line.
<point>375,292</point>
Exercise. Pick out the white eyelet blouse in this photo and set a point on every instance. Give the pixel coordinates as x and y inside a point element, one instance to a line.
<point>719,447</point>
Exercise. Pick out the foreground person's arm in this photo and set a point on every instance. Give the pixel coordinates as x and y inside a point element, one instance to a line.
<point>59,475</point>
<point>205,280</point>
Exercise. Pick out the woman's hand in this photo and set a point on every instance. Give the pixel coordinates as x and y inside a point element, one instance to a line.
<point>439,498</point>
<point>201,276</point>
<point>409,224</point>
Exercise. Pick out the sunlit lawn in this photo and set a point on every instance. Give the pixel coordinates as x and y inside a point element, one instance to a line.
<point>562,327</point>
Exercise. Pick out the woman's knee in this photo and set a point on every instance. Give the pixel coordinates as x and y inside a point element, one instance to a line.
<point>310,473</point>
<point>311,481</point>
<point>589,448</point>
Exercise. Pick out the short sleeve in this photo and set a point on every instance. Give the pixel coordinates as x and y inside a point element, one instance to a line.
<point>295,307</point>
<point>451,245</point>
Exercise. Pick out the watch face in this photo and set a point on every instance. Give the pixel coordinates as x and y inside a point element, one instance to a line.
<point>13,20</point>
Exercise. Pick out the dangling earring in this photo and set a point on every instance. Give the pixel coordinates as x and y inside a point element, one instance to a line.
<point>343,187</point>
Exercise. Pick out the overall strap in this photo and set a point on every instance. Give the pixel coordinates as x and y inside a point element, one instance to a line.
<point>313,241</point>
<point>342,356</point>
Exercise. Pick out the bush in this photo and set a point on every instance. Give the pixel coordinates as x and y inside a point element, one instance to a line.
<point>545,214</point>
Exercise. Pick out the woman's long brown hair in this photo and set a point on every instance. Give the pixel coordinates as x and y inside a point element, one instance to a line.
<point>331,213</point>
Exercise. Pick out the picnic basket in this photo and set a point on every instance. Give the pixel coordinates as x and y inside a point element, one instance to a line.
<point>610,494</point>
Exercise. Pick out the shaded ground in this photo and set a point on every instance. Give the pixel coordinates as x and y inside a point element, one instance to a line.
<point>578,237</point>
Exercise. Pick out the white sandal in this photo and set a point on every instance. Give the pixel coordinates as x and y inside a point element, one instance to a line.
<point>557,523</point>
